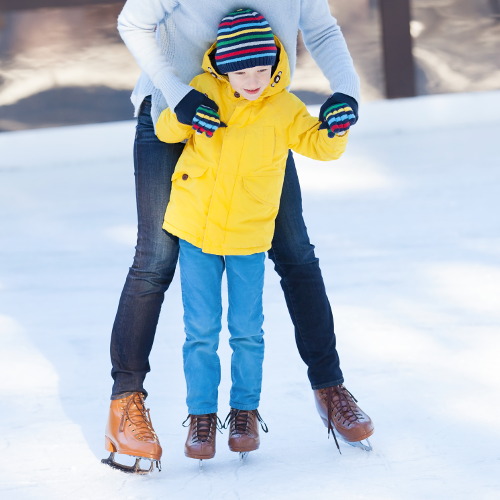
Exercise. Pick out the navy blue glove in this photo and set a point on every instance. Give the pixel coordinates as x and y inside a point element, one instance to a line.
<point>187,112</point>
<point>338,114</point>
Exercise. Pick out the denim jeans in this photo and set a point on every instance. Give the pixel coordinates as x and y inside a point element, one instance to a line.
<point>201,280</point>
<point>156,257</point>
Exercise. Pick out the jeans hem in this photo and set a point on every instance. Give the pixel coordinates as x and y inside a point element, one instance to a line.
<point>327,384</point>
<point>126,394</point>
<point>202,411</point>
<point>238,406</point>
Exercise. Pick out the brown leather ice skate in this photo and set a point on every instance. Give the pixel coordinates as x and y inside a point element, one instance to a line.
<point>244,430</point>
<point>338,409</point>
<point>129,431</point>
<point>200,442</point>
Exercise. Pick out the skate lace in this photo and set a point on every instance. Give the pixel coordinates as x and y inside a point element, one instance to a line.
<point>138,417</point>
<point>204,427</point>
<point>342,406</point>
<point>239,421</point>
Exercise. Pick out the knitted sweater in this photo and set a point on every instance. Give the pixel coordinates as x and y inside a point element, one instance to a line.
<point>168,39</point>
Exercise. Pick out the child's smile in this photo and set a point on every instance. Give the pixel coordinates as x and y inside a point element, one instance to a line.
<point>252,92</point>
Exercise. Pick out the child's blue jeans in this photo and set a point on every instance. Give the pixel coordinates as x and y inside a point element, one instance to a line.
<point>201,280</point>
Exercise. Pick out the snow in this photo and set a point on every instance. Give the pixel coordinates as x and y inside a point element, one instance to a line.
<point>407,229</point>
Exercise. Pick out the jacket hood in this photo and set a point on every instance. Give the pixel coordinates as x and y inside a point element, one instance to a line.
<point>280,78</point>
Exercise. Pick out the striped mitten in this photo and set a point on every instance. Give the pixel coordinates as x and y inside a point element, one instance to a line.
<point>337,115</point>
<point>206,120</point>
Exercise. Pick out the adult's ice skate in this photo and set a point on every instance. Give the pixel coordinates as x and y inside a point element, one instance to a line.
<point>129,431</point>
<point>343,417</point>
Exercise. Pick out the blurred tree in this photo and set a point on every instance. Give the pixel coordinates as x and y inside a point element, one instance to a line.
<point>495,8</point>
<point>397,43</point>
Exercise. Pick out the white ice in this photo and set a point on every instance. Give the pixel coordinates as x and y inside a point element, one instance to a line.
<point>406,226</point>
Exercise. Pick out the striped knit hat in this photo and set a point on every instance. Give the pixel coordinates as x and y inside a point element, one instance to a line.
<point>244,40</point>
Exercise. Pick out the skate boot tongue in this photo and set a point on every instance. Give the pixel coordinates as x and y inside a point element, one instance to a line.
<point>136,415</point>
<point>204,427</point>
<point>343,401</point>
<point>241,420</point>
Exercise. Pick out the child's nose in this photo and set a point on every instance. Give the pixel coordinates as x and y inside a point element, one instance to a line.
<point>254,82</point>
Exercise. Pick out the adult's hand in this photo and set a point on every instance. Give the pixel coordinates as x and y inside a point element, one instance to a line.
<point>199,111</point>
<point>338,114</point>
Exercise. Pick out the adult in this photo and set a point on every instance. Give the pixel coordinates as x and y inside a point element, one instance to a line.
<point>168,39</point>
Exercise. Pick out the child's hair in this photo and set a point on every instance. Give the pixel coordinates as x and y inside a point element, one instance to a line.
<point>244,40</point>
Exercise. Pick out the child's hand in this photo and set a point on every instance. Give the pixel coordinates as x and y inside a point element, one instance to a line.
<point>206,120</point>
<point>338,114</point>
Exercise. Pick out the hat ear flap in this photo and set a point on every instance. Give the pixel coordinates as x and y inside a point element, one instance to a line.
<point>215,68</point>
<point>275,65</point>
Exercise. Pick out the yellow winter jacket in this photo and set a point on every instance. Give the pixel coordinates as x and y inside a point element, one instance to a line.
<point>226,189</point>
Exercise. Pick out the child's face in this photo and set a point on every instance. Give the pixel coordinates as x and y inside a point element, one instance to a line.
<point>250,82</point>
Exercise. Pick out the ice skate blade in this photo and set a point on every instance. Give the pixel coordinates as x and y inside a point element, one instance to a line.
<point>355,444</point>
<point>243,455</point>
<point>360,444</point>
<point>131,469</point>
<point>201,465</point>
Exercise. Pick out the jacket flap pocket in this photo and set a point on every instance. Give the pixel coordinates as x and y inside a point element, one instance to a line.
<point>191,171</point>
<point>265,188</point>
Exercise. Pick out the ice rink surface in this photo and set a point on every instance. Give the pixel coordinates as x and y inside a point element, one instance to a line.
<point>407,229</point>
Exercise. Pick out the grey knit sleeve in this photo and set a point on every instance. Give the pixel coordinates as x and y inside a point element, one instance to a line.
<point>325,41</point>
<point>137,24</point>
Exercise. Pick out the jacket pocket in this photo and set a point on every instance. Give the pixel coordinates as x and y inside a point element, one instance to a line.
<point>265,188</point>
<point>186,172</point>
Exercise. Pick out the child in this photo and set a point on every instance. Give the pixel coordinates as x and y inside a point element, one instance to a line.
<point>225,196</point>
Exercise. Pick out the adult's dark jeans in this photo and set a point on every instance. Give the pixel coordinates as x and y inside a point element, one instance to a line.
<point>156,257</point>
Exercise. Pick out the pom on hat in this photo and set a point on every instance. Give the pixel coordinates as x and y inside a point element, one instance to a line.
<point>244,40</point>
